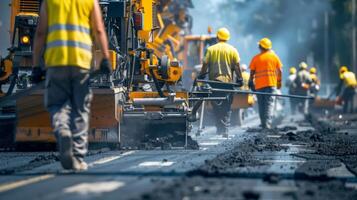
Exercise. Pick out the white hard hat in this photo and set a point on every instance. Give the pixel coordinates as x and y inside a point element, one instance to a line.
<point>244,67</point>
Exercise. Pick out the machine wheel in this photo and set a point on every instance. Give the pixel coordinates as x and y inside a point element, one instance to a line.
<point>237,117</point>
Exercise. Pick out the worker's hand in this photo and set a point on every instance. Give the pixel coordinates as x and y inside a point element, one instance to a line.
<point>105,67</point>
<point>201,76</point>
<point>305,86</point>
<point>251,84</point>
<point>338,100</point>
<point>279,85</point>
<point>37,75</point>
<point>239,82</point>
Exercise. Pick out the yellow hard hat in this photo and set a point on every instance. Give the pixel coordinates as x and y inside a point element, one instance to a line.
<point>266,43</point>
<point>313,70</point>
<point>292,70</point>
<point>343,69</point>
<point>303,65</point>
<point>223,34</point>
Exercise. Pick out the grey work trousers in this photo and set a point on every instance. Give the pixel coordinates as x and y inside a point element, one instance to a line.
<point>67,99</point>
<point>222,112</point>
<point>266,107</point>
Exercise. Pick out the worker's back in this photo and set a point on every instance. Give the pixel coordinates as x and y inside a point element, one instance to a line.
<point>314,78</point>
<point>349,79</point>
<point>221,59</point>
<point>69,41</point>
<point>266,66</point>
<point>302,81</point>
<point>290,83</point>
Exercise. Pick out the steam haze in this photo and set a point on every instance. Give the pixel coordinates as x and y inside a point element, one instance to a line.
<point>292,25</point>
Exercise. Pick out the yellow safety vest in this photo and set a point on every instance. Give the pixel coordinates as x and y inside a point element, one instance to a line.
<point>349,79</point>
<point>245,76</point>
<point>221,59</point>
<point>69,41</point>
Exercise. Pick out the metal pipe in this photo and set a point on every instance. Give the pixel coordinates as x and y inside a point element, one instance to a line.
<point>157,101</point>
<point>262,93</point>
<point>207,98</point>
<point>200,128</point>
<point>217,82</point>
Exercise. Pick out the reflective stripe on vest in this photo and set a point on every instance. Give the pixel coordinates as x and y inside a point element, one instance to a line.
<point>69,43</point>
<point>68,27</point>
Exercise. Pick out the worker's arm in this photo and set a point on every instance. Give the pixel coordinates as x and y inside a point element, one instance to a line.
<point>204,68</point>
<point>40,35</point>
<point>251,78</point>
<point>339,88</point>
<point>238,72</point>
<point>203,71</point>
<point>280,72</point>
<point>99,32</point>
<point>252,74</point>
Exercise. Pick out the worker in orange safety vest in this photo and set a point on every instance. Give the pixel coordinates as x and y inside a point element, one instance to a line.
<point>265,76</point>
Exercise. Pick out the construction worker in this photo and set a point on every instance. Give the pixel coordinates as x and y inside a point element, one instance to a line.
<point>65,29</point>
<point>315,82</point>
<point>290,84</point>
<point>220,61</point>
<point>265,76</point>
<point>346,89</point>
<point>303,82</point>
<point>245,76</point>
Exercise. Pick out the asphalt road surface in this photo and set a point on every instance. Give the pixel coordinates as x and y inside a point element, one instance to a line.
<point>250,164</point>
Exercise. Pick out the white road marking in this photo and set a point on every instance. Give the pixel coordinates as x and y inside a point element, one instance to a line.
<point>284,161</point>
<point>275,189</point>
<point>209,143</point>
<point>109,159</point>
<point>155,164</point>
<point>21,183</point>
<point>274,136</point>
<point>94,188</point>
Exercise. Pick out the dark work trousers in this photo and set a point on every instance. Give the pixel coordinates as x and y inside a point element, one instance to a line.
<point>222,113</point>
<point>266,106</point>
<point>68,98</point>
<point>293,105</point>
<point>348,98</point>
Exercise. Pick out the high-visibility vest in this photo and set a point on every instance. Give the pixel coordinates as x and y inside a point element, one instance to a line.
<point>221,59</point>
<point>266,66</point>
<point>69,41</point>
<point>349,79</point>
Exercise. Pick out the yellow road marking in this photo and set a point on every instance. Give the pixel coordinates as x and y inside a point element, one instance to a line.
<point>21,183</point>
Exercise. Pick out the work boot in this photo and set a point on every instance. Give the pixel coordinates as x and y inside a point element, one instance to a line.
<point>80,165</point>
<point>65,150</point>
<point>225,135</point>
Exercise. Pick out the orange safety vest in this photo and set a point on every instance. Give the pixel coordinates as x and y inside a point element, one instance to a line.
<point>266,66</point>
<point>69,41</point>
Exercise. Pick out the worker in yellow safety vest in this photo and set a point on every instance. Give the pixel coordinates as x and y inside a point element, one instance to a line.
<point>315,82</point>
<point>346,89</point>
<point>290,84</point>
<point>220,61</point>
<point>65,28</point>
<point>245,77</point>
<point>303,82</point>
